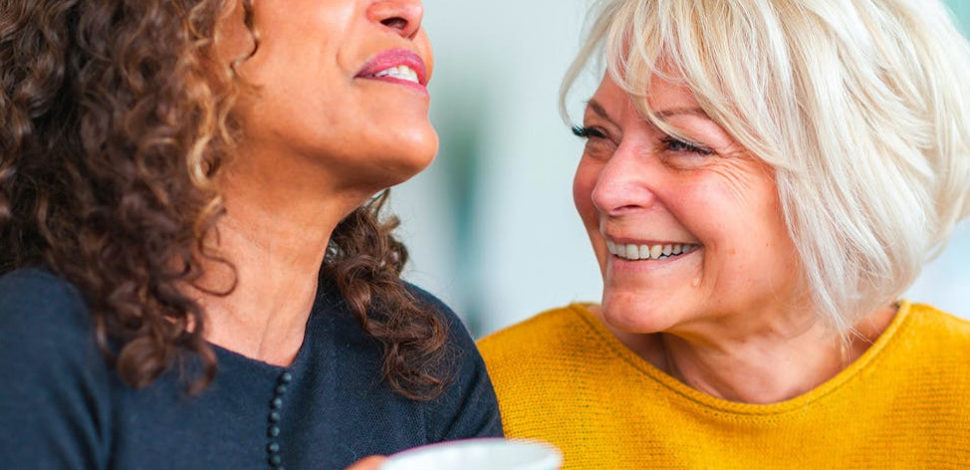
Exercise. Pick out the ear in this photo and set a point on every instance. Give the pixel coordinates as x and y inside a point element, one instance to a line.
<point>235,38</point>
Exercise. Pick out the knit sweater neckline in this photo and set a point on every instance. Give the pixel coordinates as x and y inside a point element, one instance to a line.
<point>680,391</point>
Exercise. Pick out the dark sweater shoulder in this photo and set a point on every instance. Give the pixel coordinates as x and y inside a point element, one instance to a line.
<point>46,325</point>
<point>65,407</point>
<point>34,300</point>
<point>458,335</point>
<point>462,354</point>
<point>467,406</point>
<point>57,388</point>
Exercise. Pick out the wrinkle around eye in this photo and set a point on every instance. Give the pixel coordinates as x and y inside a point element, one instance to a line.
<point>599,149</point>
<point>686,161</point>
<point>703,156</point>
<point>739,176</point>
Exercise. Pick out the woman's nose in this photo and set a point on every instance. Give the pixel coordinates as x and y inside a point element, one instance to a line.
<point>625,184</point>
<point>401,16</point>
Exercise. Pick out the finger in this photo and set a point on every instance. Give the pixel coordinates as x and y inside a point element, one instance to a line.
<point>369,463</point>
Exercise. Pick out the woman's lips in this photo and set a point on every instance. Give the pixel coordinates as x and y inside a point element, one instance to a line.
<point>399,66</point>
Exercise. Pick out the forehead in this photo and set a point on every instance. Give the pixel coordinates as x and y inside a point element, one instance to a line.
<point>664,93</point>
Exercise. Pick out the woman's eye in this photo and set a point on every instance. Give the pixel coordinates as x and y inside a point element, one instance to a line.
<point>588,132</point>
<point>671,144</point>
<point>599,145</point>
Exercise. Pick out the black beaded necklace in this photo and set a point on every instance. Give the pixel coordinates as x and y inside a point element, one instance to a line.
<point>273,430</point>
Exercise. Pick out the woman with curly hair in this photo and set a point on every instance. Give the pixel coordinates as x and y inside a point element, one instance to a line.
<point>194,270</point>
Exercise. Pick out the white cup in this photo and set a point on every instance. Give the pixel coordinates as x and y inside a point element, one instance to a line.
<point>478,454</point>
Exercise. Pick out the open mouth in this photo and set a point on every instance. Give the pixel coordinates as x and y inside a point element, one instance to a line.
<point>399,66</point>
<point>401,72</point>
<point>633,252</point>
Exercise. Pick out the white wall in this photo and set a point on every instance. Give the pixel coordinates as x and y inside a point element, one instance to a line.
<point>491,225</point>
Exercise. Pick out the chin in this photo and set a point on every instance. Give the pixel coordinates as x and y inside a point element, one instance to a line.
<point>415,147</point>
<point>635,313</point>
<point>397,159</point>
<point>404,166</point>
<point>422,153</point>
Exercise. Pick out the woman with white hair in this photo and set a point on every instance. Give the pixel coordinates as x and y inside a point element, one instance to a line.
<point>761,181</point>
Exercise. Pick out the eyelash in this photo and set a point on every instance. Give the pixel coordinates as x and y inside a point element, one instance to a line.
<point>676,145</point>
<point>669,143</point>
<point>587,132</point>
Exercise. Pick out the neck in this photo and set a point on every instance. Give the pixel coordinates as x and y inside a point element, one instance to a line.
<point>275,235</point>
<point>765,369</point>
<point>770,365</point>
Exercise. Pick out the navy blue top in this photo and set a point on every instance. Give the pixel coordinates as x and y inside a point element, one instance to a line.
<point>63,406</point>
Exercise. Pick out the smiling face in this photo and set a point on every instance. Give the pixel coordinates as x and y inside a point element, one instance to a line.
<point>341,90</point>
<point>687,234</point>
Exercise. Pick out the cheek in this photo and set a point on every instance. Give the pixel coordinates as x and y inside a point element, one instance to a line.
<point>585,180</point>
<point>583,184</point>
<point>779,253</point>
<point>744,230</point>
<point>425,50</point>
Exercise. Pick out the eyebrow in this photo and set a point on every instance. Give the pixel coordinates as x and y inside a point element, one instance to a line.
<point>597,108</point>
<point>676,111</point>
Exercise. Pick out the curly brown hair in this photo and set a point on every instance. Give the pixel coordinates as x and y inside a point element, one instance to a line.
<point>115,121</point>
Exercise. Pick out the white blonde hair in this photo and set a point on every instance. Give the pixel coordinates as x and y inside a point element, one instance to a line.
<point>862,107</point>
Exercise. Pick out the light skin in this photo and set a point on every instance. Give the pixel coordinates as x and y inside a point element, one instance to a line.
<point>731,317</point>
<point>369,463</point>
<point>319,140</point>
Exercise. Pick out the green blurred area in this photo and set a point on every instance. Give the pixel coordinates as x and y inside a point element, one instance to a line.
<point>961,9</point>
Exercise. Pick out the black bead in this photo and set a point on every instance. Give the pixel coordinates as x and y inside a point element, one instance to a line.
<point>273,448</point>
<point>276,404</point>
<point>275,460</point>
<point>280,389</point>
<point>286,377</point>
<point>273,431</point>
<point>274,416</point>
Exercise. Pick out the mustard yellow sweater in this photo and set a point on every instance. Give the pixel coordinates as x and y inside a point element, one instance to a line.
<point>905,404</point>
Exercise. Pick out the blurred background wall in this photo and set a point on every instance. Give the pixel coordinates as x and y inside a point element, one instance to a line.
<point>491,225</point>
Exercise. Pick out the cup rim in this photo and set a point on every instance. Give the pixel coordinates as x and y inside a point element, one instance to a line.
<point>552,457</point>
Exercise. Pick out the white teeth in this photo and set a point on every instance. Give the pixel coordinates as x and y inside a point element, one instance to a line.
<point>633,252</point>
<point>401,72</point>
